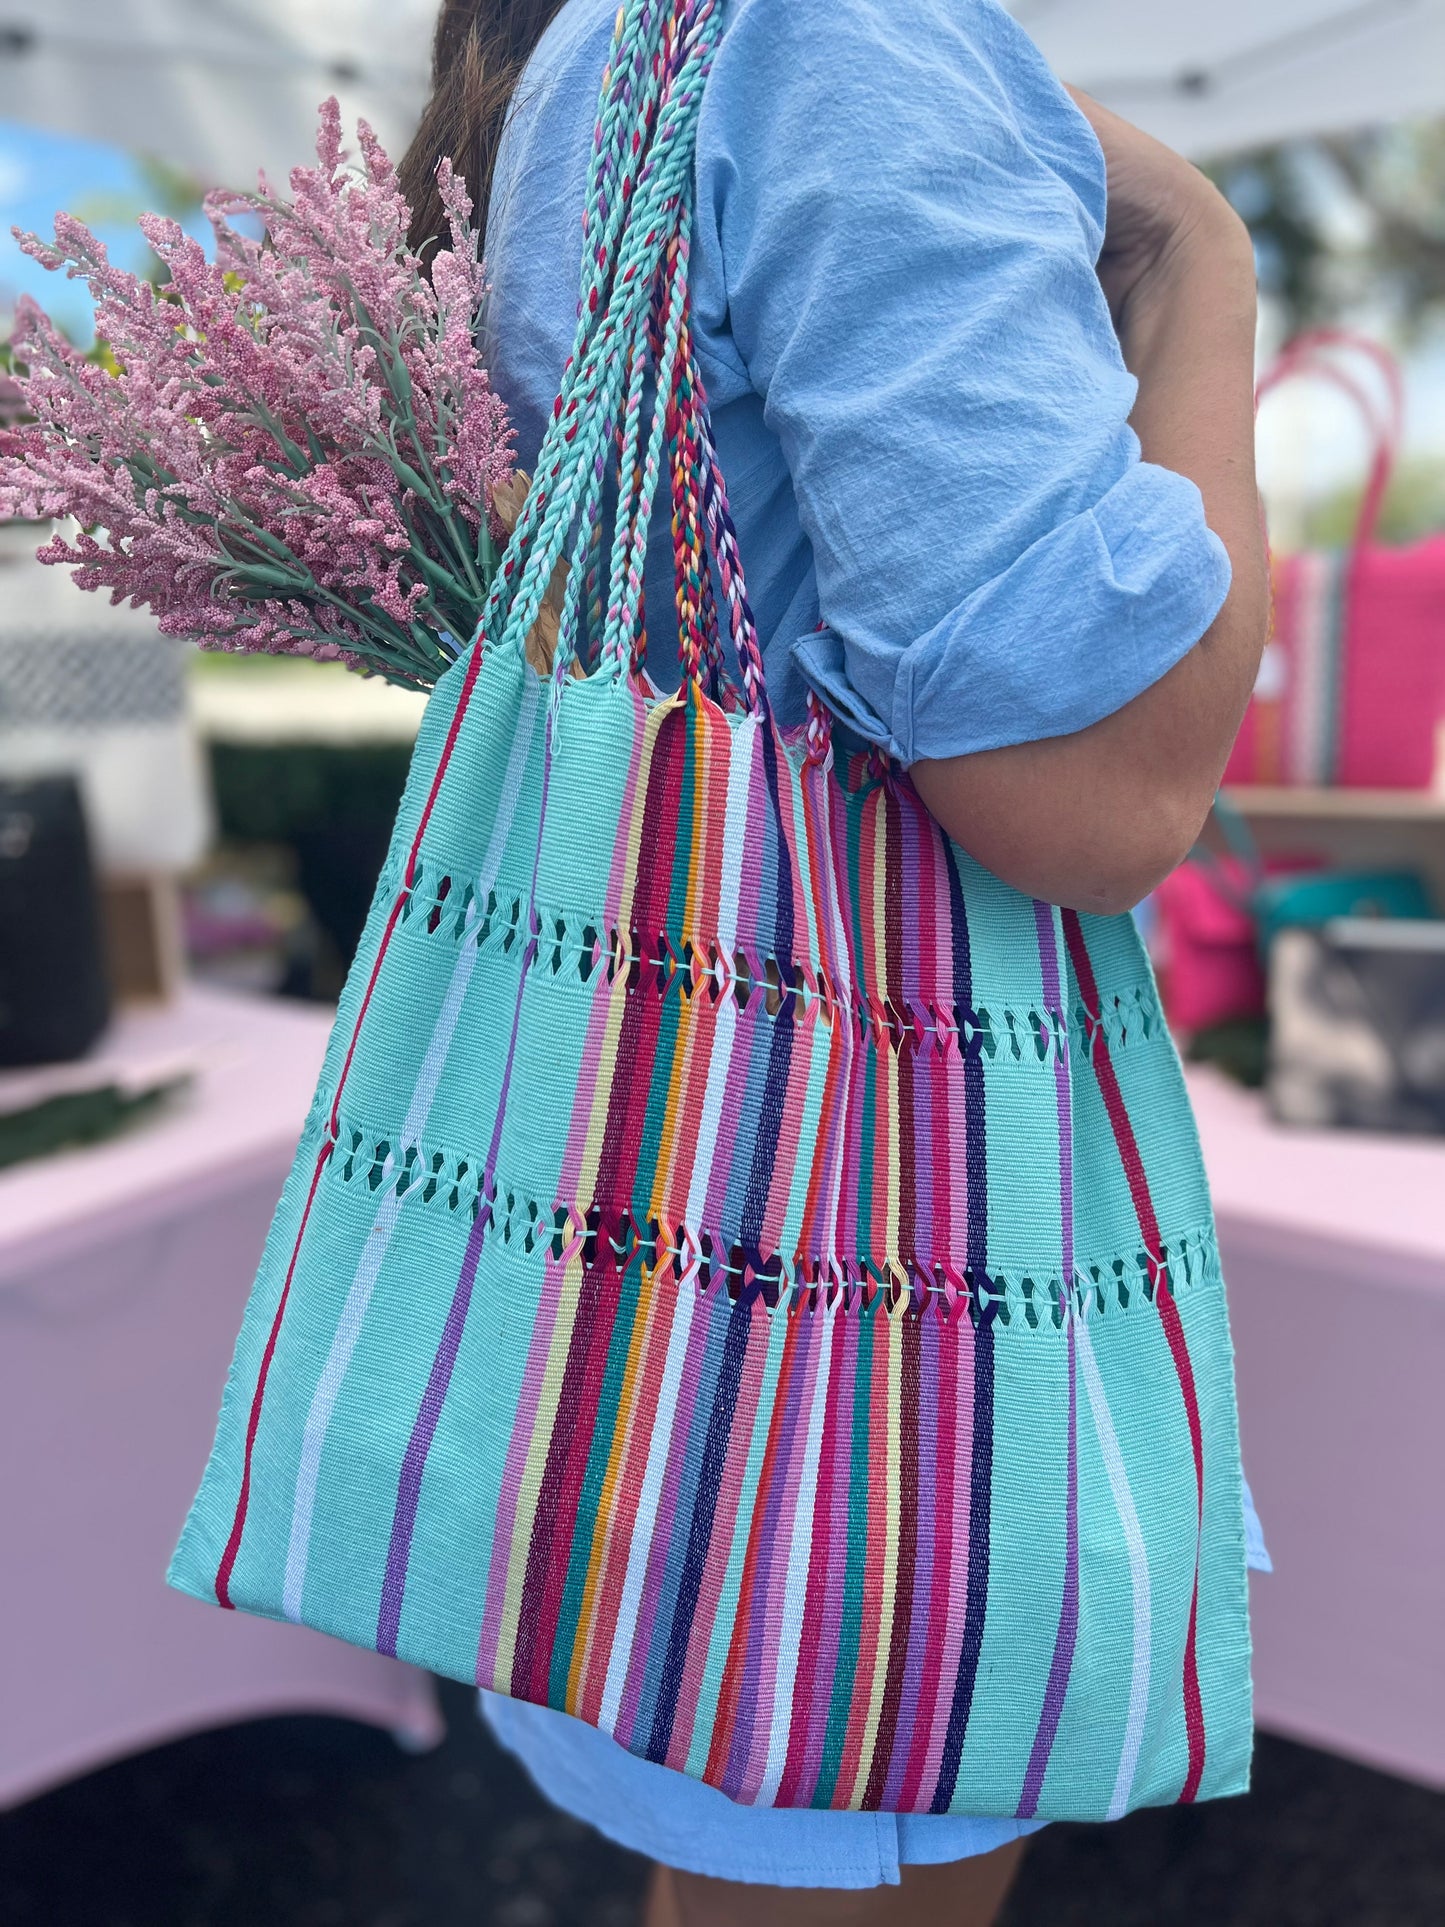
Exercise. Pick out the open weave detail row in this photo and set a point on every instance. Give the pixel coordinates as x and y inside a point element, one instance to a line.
<point>457,1184</point>
<point>575,948</point>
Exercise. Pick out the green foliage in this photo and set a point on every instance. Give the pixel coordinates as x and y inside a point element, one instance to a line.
<point>1414,507</point>
<point>76,1117</point>
<point>1351,219</point>
<point>1269,190</point>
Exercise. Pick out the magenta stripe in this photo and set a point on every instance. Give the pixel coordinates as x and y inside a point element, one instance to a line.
<point>745,1756</point>
<point>819,1230</point>
<point>665,1524</point>
<point>553,1277</point>
<point>768,1607</point>
<point>813,1674</point>
<point>852,1104</point>
<point>948,1210</point>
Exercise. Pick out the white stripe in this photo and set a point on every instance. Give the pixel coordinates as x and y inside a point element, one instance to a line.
<point>795,1590</point>
<point>358,1298</point>
<point>1313,609</point>
<point>742,748</point>
<point>645,1516</point>
<point>735,828</point>
<point>1138,1572</point>
<point>740,765</point>
<point>842,1015</point>
<point>378,1240</point>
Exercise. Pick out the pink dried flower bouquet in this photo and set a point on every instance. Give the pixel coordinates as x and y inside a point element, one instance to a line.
<point>292,449</point>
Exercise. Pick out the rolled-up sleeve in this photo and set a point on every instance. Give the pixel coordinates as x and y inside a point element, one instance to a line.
<point>908,209</point>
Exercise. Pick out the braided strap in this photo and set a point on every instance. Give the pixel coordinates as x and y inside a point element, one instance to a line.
<point>632,405</point>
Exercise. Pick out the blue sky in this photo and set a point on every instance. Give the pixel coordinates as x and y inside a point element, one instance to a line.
<point>41,172</point>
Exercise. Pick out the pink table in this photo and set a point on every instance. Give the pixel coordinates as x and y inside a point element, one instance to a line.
<point>123,1273</point>
<point>1334,1250</point>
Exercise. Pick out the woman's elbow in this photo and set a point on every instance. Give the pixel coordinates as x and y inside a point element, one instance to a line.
<point>1098,846</point>
<point>1109,882</point>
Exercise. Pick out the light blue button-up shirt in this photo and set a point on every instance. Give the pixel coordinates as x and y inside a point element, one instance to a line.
<point>919,401</point>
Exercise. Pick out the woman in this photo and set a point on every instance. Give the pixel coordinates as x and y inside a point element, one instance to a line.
<point>990,450</point>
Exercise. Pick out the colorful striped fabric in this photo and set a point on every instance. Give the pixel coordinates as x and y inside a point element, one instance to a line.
<point>1292,733</point>
<point>747,1278</point>
<point>1351,691</point>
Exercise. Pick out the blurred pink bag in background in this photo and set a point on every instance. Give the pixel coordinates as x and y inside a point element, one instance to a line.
<point>1206,945</point>
<point>1352,688</point>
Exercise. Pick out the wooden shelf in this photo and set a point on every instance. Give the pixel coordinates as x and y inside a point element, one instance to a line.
<point>1337,806</point>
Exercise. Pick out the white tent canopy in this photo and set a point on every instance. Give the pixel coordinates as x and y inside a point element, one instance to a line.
<point>1212,79</point>
<point>217,88</point>
<point>220,86</point>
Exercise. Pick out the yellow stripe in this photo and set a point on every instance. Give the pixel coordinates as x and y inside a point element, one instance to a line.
<point>532,1471</point>
<point>622,1440</point>
<point>682,1057</point>
<point>886,1130</point>
<point>541,1439</point>
<point>622,1430</point>
<point>607,1061</point>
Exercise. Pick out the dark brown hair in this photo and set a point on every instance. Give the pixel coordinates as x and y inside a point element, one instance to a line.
<point>480,49</point>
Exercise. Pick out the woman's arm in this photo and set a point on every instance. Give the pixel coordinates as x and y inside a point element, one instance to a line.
<point>1095,819</point>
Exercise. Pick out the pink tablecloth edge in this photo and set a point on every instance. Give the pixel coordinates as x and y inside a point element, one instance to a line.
<point>39,1251</point>
<point>1338,1257</point>
<point>414,1719</point>
<point>1292,1723</point>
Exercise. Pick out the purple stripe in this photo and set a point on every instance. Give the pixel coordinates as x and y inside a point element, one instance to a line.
<point>980,1464</point>
<point>912,1696</point>
<point>408,1492</point>
<point>741,1750</point>
<point>1063,1660</point>
<point>745,1090</point>
<point>1054,1004</point>
<point>770,1613</point>
<point>413,1465</point>
<point>681,1443</point>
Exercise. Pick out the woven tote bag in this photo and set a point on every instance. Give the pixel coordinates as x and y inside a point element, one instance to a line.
<point>1351,691</point>
<point>747,1277</point>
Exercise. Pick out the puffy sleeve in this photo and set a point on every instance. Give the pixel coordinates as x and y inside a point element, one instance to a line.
<point>908,208</point>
